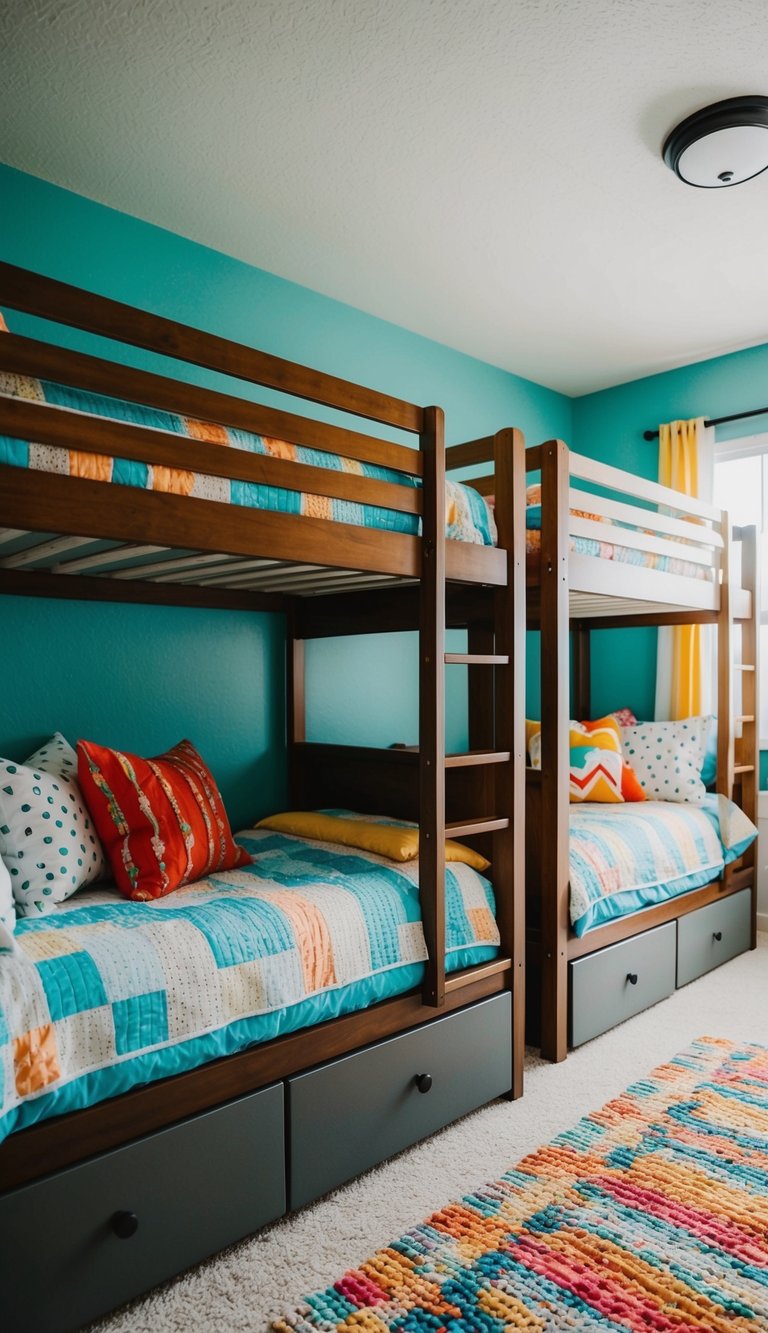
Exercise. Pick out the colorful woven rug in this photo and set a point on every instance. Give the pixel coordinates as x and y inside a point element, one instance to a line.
<point>652,1214</point>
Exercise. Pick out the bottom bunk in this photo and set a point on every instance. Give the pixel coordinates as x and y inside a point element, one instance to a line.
<point>178,1073</point>
<point>657,896</point>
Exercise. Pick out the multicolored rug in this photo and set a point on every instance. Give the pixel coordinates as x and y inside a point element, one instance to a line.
<point>652,1214</point>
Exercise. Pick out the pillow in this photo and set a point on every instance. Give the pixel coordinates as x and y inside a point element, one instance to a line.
<point>47,838</point>
<point>398,842</point>
<point>593,778</point>
<point>7,910</point>
<point>625,717</point>
<point>162,820</point>
<point>668,757</point>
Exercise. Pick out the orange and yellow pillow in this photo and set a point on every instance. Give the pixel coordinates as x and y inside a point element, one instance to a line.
<point>162,821</point>
<point>598,770</point>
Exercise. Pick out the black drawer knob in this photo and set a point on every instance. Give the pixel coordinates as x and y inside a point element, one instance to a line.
<point>632,978</point>
<point>423,1082</point>
<point>717,935</point>
<point>125,1224</point>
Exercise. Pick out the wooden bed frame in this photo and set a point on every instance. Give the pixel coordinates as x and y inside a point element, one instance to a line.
<point>84,539</point>
<point>567,596</point>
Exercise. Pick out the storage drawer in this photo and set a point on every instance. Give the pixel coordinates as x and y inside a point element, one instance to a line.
<point>352,1113</point>
<point>712,935</point>
<point>193,1189</point>
<point>607,987</point>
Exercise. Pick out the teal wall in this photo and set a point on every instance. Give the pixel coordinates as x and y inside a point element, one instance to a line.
<point>117,673</point>
<point>609,426</point>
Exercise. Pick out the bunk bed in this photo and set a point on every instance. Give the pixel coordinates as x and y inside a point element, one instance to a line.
<point>613,550</point>
<point>100,1203</point>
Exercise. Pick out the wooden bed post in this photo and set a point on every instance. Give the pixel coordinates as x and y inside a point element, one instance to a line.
<point>432,706</point>
<point>581,660</point>
<point>295,711</point>
<point>509,844</point>
<point>555,700</point>
<point>725,746</point>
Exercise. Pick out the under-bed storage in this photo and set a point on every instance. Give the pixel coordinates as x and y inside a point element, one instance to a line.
<point>84,1240</point>
<point>349,1114</point>
<point>713,934</point>
<point>610,986</point>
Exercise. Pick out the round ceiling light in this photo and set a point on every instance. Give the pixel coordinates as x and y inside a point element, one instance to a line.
<point>723,144</point>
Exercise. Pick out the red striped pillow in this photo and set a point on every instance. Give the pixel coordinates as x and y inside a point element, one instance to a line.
<point>162,821</point>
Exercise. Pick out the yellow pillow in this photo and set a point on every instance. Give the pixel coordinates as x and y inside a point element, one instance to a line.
<point>395,841</point>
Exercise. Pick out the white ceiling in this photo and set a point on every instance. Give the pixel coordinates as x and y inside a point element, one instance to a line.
<point>485,172</point>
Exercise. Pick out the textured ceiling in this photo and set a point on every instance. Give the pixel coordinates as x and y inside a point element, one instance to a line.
<point>485,172</point>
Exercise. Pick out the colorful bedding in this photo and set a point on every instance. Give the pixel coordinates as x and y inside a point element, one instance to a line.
<point>105,994</point>
<point>624,858</point>
<point>468,517</point>
<point>603,550</point>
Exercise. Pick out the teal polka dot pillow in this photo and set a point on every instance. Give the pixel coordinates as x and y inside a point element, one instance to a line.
<point>47,838</point>
<point>667,757</point>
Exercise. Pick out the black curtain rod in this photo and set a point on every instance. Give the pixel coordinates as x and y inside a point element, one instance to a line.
<point>716,421</point>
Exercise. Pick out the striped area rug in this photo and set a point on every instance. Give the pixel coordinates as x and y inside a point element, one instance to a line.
<point>652,1214</point>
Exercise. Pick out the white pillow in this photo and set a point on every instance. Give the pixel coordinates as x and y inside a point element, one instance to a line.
<point>667,757</point>
<point>47,837</point>
<point>7,910</point>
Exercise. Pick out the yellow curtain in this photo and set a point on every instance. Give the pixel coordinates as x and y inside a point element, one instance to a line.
<point>679,468</point>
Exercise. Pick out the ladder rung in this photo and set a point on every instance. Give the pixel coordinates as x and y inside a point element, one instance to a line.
<point>743,666</point>
<point>477,659</point>
<point>484,824</point>
<point>473,757</point>
<point>743,768</point>
<point>745,717</point>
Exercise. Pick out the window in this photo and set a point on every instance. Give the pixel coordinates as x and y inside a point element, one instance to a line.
<point>741,487</point>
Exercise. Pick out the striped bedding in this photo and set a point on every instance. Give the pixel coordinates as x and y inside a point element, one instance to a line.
<point>468,517</point>
<point>624,858</point>
<point>104,994</point>
<point>603,550</point>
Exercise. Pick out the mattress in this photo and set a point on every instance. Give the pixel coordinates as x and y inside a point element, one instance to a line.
<point>607,550</point>
<point>624,858</point>
<point>468,516</point>
<point>104,994</point>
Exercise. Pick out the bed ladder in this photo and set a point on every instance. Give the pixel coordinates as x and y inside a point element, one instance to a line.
<point>741,756</point>
<point>496,703</point>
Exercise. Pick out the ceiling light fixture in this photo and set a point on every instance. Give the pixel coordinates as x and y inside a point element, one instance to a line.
<point>723,144</point>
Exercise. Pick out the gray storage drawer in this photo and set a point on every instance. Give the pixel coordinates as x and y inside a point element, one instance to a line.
<point>194,1188</point>
<point>601,990</point>
<point>352,1113</point>
<point>713,934</point>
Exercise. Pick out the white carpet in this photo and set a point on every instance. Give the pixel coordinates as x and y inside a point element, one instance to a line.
<point>249,1284</point>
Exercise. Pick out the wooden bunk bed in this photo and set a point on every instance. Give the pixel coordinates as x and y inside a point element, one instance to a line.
<point>99,1204</point>
<point>578,987</point>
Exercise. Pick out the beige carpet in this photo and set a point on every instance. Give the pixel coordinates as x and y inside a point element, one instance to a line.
<point>255,1280</point>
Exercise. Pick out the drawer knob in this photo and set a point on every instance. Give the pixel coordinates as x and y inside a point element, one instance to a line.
<point>632,978</point>
<point>124,1224</point>
<point>717,935</point>
<point>423,1082</point>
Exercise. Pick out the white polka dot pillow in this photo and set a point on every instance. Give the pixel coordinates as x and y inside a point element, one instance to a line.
<point>667,757</point>
<point>7,909</point>
<point>47,838</point>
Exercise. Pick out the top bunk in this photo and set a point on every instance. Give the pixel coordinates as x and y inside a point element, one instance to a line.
<point>611,546</point>
<point>116,483</point>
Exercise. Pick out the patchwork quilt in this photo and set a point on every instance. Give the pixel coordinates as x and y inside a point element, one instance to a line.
<point>468,517</point>
<point>104,994</point>
<point>627,857</point>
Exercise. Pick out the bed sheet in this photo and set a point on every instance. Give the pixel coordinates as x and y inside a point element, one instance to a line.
<point>624,858</point>
<point>105,994</point>
<point>468,517</point>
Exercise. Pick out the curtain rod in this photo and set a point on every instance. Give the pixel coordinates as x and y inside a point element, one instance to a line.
<point>716,421</point>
